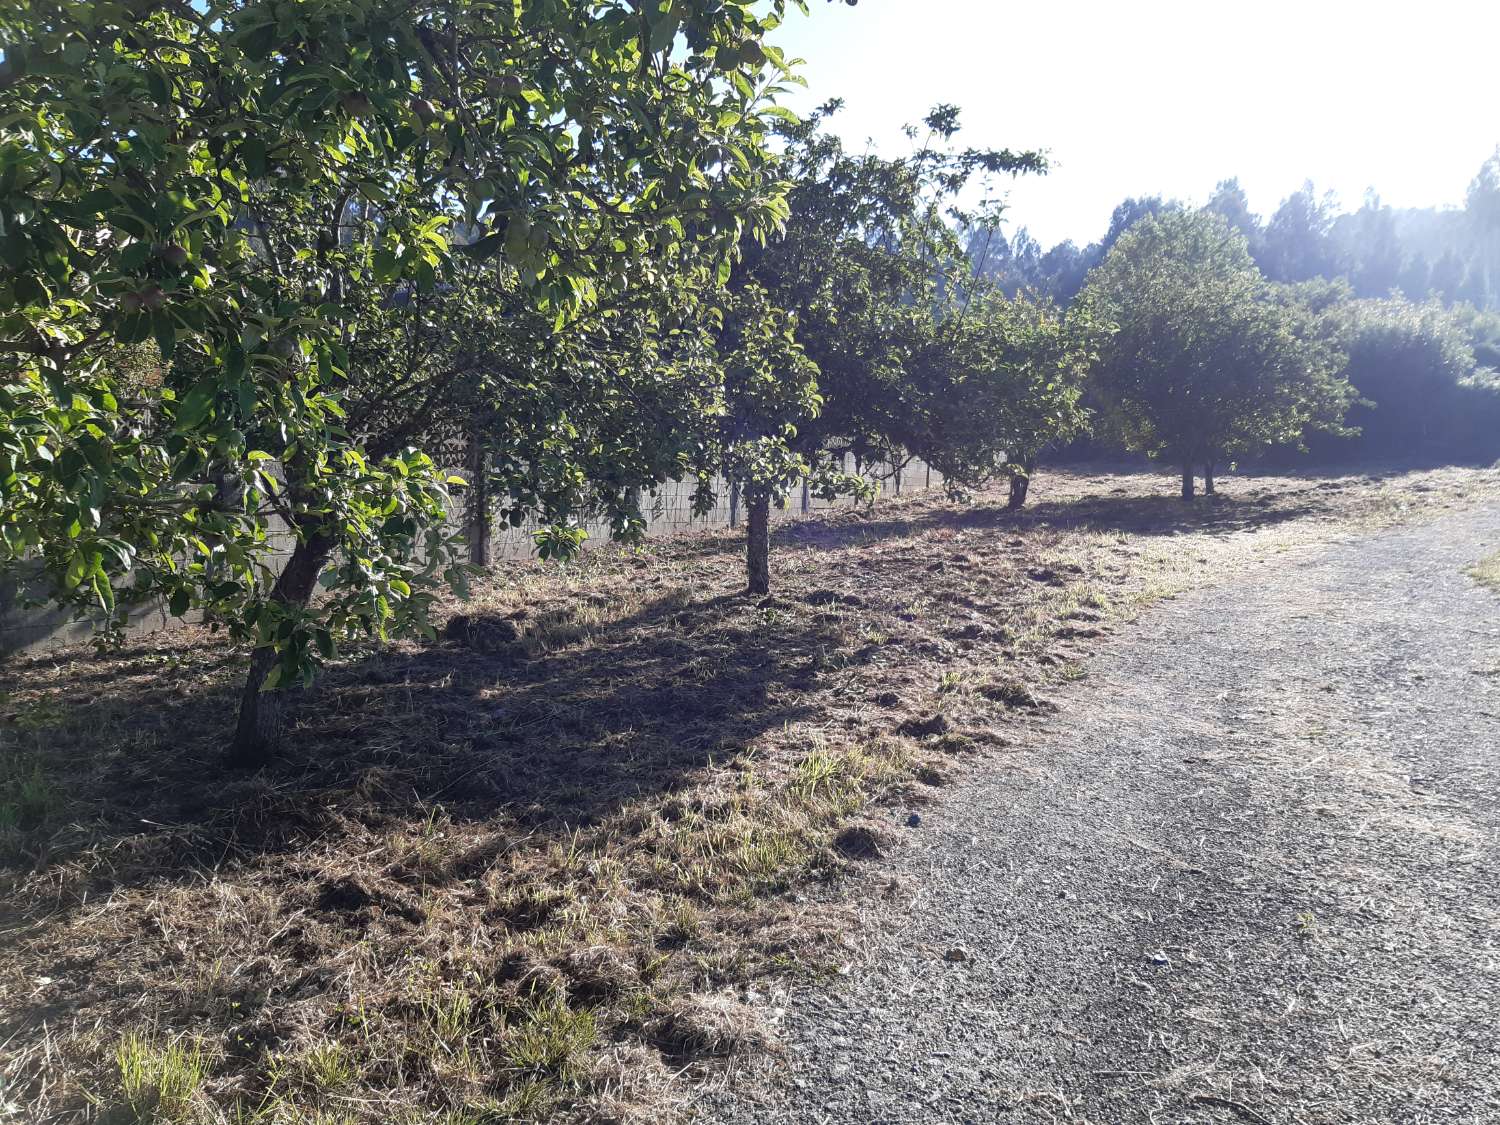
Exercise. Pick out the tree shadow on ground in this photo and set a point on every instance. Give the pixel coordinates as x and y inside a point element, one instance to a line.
<point>428,794</point>
<point>544,721</point>
<point>1125,511</point>
<point>554,718</point>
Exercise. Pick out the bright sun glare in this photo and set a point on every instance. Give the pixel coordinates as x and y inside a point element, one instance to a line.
<point>1170,96</point>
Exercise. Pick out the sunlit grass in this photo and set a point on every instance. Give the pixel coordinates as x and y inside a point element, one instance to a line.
<point>1487,571</point>
<point>159,1080</point>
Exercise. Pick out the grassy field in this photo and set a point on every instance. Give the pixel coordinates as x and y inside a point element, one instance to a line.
<point>546,866</point>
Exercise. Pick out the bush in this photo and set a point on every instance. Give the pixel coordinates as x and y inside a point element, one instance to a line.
<point>1426,394</point>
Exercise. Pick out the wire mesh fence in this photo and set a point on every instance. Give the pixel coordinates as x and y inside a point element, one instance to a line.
<point>668,508</point>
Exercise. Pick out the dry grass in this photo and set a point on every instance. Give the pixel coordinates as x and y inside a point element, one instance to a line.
<point>535,870</point>
<point>1487,571</point>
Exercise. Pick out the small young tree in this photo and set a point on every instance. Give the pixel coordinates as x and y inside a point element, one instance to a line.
<point>1207,360</point>
<point>768,388</point>
<point>868,259</point>
<point>576,423</point>
<point>999,381</point>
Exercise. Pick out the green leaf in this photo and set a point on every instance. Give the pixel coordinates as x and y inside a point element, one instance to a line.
<point>195,407</point>
<point>78,569</point>
<point>253,153</point>
<point>486,247</point>
<point>165,332</point>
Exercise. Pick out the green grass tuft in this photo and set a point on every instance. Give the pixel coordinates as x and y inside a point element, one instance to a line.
<point>159,1082</point>
<point>549,1041</point>
<point>29,804</point>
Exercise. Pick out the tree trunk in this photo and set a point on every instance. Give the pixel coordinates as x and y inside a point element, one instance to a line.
<point>479,505</point>
<point>1187,481</point>
<point>1020,484</point>
<point>1208,478</point>
<point>263,712</point>
<point>758,540</point>
<point>229,492</point>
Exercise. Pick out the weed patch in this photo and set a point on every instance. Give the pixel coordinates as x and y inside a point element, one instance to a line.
<point>159,1082</point>
<point>29,802</point>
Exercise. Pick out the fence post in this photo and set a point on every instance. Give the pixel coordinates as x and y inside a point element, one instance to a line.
<point>734,504</point>
<point>806,497</point>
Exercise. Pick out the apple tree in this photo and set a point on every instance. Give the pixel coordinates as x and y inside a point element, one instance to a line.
<point>1208,360</point>
<point>1000,380</point>
<point>305,218</point>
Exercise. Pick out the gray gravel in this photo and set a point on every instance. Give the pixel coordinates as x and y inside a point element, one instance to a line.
<point>1249,873</point>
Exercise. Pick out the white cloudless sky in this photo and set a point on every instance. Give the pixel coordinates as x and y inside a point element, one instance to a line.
<point>1167,97</point>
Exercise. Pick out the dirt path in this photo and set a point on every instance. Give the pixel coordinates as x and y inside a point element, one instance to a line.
<point>1248,874</point>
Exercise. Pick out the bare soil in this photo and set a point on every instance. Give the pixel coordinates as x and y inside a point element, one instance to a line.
<point>557,864</point>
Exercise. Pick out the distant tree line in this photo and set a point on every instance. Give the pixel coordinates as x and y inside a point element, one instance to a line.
<point>1414,293</point>
<point>1448,254</point>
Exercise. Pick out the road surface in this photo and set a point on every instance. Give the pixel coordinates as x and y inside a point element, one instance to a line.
<point>1249,873</point>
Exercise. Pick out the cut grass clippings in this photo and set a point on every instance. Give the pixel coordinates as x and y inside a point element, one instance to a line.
<point>537,870</point>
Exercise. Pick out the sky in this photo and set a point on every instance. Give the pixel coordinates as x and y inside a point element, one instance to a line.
<point>1168,97</point>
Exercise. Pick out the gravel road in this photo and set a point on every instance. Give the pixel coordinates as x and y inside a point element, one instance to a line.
<point>1248,873</point>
